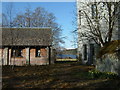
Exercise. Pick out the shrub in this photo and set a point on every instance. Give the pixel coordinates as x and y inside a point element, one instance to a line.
<point>98,74</point>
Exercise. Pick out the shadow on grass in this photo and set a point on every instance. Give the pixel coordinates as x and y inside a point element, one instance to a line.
<point>102,84</point>
<point>72,75</point>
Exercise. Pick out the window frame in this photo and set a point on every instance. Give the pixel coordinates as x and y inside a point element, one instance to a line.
<point>17,52</point>
<point>79,16</point>
<point>93,11</point>
<point>85,51</point>
<point>38,52</point>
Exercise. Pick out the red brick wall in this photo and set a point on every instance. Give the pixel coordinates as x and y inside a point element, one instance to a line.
<point>38,60</point>
<point>18,60</point>
<point>1,55</point>
<point>33,59</point>
<point>43,52</point>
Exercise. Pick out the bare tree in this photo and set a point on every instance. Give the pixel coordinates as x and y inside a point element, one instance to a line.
<point>4,20</point>
<point>8,14</point>
<point>28,17</point>
<point>100,21</point>
<point>40,18</point>
<point>74,31</point>
<point>19,21</point>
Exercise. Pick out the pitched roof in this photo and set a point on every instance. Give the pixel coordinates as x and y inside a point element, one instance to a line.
<point>26,36</point>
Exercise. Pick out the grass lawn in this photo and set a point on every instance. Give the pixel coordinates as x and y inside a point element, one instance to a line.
<point>63,75</point>
<point>66,60</point>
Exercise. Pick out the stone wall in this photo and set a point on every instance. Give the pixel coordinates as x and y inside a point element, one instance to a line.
<point>109,63</point>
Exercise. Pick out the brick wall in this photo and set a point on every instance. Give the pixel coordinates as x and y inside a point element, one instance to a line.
<point>18,60</point>
<point>1,55</point>
<point>38,60</point>
<point>43,59</point>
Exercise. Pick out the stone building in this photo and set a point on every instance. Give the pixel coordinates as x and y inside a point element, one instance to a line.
<point>21,46</point>
<point>87,47</point>
<point>86,10</point>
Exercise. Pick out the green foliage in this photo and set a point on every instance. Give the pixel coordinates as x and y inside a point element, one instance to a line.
<point>97,74</point>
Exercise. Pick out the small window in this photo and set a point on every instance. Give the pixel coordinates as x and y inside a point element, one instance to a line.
<point>85,51</point>
<point>92,49</point>
<point>38,52</point>
<point>94,13</point>
<point>79,17</point>
<point>16,53</point>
